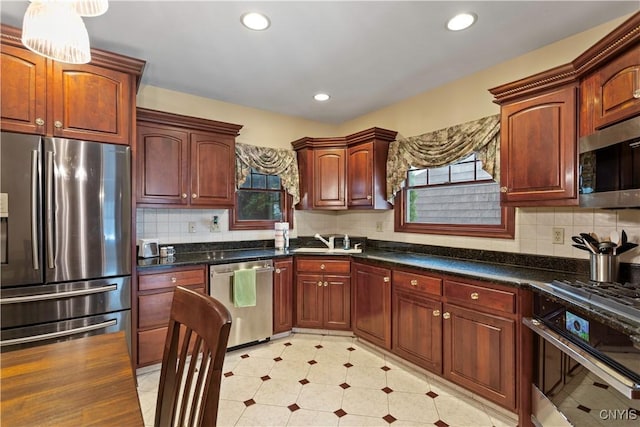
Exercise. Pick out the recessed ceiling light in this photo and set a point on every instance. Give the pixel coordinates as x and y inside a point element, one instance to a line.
<point>255,21</point>
<point>321,97</point>
<point>461,21</point>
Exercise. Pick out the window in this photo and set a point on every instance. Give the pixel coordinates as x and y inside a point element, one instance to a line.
<point>460,198</point>
<point>260,202</point>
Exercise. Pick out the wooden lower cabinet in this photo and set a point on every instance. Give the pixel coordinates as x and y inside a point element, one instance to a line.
<point>372,304</point>
<point>282,295</point>
<point>154,298</point>
<point>417,330</point>
<point>479,353</point>
<point>323,293</point>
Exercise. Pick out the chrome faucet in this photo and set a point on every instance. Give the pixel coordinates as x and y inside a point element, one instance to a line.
<point>329,243</point>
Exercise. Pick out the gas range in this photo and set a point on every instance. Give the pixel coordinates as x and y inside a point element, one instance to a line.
<point>622,300</point>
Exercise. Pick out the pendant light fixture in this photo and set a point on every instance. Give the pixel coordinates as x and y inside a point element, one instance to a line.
<point>54,28</point>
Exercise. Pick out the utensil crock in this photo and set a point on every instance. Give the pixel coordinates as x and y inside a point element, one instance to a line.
<point>604,267</point>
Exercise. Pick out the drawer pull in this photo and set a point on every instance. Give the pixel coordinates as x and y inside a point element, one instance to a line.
<point>474,295</point>
<point>277,271</point>
<point>39,121</point>
<point>322,267</point>
<point>414,282</point>
<point>436,313</point>
<point>446,315</point>
<point>386,280</point>
<point>320,283</point>
<point>174,280</point>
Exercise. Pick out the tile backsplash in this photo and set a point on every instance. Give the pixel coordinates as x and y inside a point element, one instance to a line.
<point>534,227</point>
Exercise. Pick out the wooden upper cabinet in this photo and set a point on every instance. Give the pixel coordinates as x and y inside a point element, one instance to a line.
<point>344,172</point>
<point>329,178</point>
<point>184,161</point>
<point>212,169</point>
<point>23,90</point>
<point>162,164</point>
<point>94,102</point>
<point>611,93</point>
<point>90,102</point>
<point>538,149</point>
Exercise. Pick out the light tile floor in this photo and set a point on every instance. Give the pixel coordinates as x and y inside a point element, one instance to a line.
<point>329,380</point>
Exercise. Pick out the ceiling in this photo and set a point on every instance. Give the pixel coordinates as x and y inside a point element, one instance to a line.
<point>366,55</point>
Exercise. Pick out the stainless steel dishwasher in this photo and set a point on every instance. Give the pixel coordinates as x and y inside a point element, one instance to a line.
<point>248,324</point>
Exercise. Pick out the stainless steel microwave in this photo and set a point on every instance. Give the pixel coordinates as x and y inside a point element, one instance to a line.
<point>610,167</point>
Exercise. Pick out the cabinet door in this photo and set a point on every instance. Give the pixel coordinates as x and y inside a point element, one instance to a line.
<point>309,301</point>
<point>162,165</point>
<point>538,150</point>
<point>618,89</point>
<point>90,103</point>
<point>212,170</point>
<point>360,175</point>
<point>23,90</point>
<point>337,302</point>
<point>283,295</point>
<point>479,353</point>
<point>417,330</point>
<point>372,304</point>
<point>329,178</point>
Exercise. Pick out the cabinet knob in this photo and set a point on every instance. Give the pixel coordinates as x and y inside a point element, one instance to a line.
<point>320,283</point>
<point>39,121</point>
<point>184,195</point>
<point>503,189</point>
<point>414,282</point>
<point>57,124</point>
<point>326,283</point>
<point>369,197</point>
<point>277,271</point>
<point>321,266</point>
<point>636,93</point>
<point>386,280</point>
<point>446,315</point>
<point>436,313</point>
<point>194,196</point>
<point>174,280</point>
<point>474,295</point>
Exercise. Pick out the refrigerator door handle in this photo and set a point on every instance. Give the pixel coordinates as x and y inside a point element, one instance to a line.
<point>42,337</point>
<point>49,209</point>
<point>58,295</point>
<point>35,243</point>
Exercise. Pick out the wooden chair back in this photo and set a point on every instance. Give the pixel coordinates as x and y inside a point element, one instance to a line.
<point>194,352</point>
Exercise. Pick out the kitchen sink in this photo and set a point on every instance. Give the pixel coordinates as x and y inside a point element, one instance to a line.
<point>336,251</point>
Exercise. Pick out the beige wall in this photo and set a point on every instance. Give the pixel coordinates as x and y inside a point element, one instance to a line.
<point>462,100</point>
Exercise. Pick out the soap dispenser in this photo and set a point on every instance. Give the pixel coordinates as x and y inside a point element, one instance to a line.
<point>345,243</point>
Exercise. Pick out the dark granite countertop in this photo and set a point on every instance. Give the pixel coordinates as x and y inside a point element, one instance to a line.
<point>496,270</point>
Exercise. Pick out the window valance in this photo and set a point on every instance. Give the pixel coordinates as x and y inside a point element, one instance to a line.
<point>443,147</point>
<point>270,161</point>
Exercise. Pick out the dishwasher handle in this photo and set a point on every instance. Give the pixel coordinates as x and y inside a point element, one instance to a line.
<point>230,273</point>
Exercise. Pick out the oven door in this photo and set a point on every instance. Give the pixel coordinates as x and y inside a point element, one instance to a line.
<point>574,387</point>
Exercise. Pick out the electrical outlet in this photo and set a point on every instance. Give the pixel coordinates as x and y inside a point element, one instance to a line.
<point>379,226</point>
<point>557,236</point>
<point>214,227</point>
<point>192,227</point>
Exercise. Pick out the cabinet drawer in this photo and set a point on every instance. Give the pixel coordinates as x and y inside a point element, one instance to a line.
<point>417,282</point>
<point>323,266</point>
<point>151,345</point>
<point>172,278</point>
<point>481,297</point>
<point>154,309</point>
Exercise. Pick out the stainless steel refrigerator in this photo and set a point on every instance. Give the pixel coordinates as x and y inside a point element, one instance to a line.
<point>65,255</point>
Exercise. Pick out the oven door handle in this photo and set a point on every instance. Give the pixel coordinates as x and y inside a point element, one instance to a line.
<point>618,381</point>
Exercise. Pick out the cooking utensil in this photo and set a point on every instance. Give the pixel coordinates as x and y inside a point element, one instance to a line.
<point>582,247</point>
<point>614,237</point>
<point>590,242</point>
<point>578,240</point>
<point>625,247</point>
<point>623,238</point>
